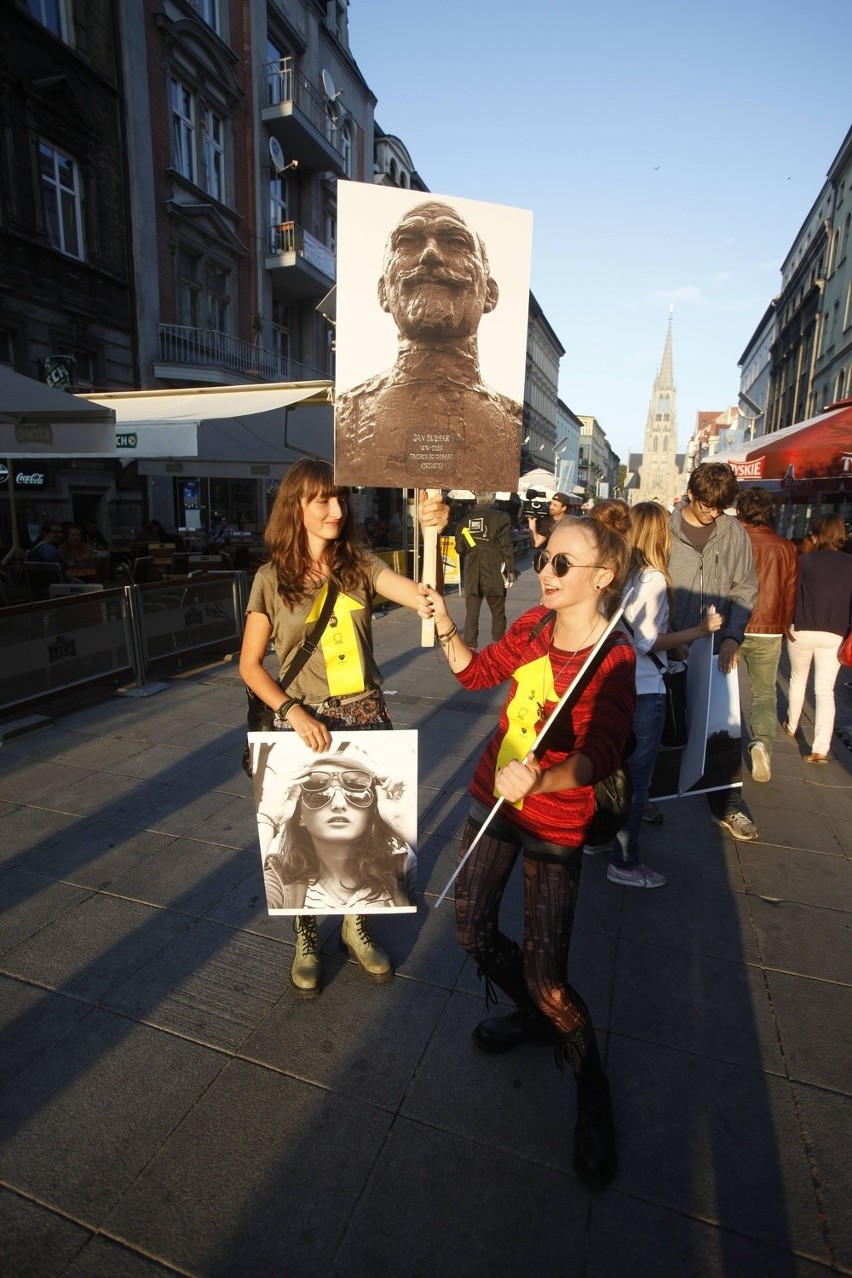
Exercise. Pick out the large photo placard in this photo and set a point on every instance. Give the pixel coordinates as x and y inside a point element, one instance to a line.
<point>338,830</point>
<point>431,336</point>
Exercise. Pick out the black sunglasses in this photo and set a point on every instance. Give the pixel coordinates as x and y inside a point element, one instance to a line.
<point>318,788</point>
<point>560,563</point>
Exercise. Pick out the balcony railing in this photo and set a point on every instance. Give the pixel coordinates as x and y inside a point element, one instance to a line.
<point>202,347</point>
<point>286,84</point>
<point>288,237</point>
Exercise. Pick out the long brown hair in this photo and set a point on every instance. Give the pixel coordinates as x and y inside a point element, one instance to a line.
<point>651,538</point>
<point>286,537</point>
<point>828,532</point>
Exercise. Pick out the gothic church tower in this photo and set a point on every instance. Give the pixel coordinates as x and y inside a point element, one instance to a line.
<point>659,472</point>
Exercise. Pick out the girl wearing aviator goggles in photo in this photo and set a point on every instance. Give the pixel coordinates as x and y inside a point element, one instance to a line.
<point>338,839</point>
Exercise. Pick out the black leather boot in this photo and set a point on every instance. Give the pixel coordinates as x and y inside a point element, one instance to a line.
<point>595,1156</point>
<point>504,968</point>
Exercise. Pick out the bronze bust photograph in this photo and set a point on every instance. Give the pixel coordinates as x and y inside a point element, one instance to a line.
<point>431,421</point>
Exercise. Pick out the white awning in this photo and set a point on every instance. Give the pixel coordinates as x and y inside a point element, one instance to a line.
<point>210,421</point>
<point>38,421</point>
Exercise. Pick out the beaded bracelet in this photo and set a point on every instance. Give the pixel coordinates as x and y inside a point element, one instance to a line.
<point>284,709</point>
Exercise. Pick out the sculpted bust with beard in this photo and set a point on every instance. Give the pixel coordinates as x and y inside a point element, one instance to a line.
<point>430,421</point>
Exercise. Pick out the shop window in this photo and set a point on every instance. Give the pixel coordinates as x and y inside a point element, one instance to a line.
<point>60,191</point>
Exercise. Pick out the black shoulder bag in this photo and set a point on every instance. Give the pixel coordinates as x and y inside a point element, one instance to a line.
<point>259,716</point>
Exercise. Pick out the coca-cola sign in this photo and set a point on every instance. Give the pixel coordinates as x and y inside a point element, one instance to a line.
<point>752,469</point>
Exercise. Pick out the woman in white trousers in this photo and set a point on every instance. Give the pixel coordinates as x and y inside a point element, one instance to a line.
<point>823,615</point>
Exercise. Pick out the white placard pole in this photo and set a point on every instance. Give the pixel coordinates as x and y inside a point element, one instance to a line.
<point>430,573</point>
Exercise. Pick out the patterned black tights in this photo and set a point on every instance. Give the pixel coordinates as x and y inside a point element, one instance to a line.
<point>551,881</point>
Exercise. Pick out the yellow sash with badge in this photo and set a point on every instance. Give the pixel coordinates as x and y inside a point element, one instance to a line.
<point>339,644</point>
<point>534,688</point>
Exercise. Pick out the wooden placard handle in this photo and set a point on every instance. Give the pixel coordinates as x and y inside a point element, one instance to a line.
<point>430,573</point>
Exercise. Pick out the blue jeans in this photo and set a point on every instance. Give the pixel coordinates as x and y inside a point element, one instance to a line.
<point>648,727</point>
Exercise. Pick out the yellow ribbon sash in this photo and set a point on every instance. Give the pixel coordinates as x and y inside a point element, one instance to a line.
<point>339,644</point>
<point>534,688</point>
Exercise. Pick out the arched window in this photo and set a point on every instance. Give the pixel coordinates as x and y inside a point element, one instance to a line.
<point>656,441</point>
<point>665,443</point>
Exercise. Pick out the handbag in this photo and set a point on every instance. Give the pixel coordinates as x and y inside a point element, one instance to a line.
<point>675,725</point>
<point>259,716</point>
<point>844,652</point>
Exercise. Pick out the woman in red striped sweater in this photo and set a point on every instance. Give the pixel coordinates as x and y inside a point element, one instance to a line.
<point>549,806</point>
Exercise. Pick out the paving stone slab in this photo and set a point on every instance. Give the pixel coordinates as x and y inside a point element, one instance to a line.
<point>90,1114</point>
<point>802,827</point>
<point>796,874</point>
<point>243,1186</point>
<point>31,904</point>
<point>35,1242</point>
<point>104,1258</point>
<point>358,1039</point>
<point>712,1140</point>
<point>446,816</point>
<point>185,875</point>
<point>827,1122</point>
<point>106,795</point>
<point>211,985</point>
<point>701,916</point>
<point>803,939</point>
<point>41,781</point>
<point>696,1003</point>
<point>102,754</point>
<point>95,853</point>
<point>815,1027</point>
<point>518,1104</point>
<point>628,1236</point>
<point>173,809</point>
<point>31,1020</point>
<point>424,945</point>
<point>463,1210</point>
<point>234,825</point>
<point>94,947</point>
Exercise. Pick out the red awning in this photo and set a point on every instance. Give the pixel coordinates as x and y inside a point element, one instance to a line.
<point>814,455</point>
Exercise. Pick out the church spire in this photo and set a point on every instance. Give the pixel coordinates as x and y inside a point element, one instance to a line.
<point>666,376</point>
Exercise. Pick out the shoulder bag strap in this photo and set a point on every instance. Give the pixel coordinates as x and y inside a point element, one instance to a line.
<point>310,642</point>
<point>656,660</point>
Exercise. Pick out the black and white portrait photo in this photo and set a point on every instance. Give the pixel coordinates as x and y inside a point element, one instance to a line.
<point>432,307</point>
<point>338,830</point>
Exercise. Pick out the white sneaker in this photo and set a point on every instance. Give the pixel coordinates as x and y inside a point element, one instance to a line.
<point>635,876</point>
<point>739,826</point>
<point>761,767</point>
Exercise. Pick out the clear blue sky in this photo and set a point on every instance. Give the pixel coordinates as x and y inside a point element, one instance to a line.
<point>669,149</point>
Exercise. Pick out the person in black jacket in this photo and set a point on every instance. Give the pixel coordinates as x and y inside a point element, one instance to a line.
<point>484,545</point>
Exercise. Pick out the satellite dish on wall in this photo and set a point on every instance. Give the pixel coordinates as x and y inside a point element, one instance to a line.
<point>277,155</point>
<point>328,86</point>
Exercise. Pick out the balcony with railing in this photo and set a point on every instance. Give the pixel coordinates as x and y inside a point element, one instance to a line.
<point>303,265</point>
<point>304,122</point>
<point>206,356</point>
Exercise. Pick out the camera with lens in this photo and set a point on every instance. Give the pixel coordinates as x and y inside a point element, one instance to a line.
<point>535,503</point>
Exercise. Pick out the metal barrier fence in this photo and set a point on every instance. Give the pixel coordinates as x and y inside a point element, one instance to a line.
<point>63,643</point>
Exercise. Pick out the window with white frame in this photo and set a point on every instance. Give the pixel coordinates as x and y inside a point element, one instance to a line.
<point>218,299</point>
<point>214,155</point>
<point>55,15</point>
<point>346,147</point>
<point>183,129</point>
<point>60,193</point>
<point>278,202</point>
<point>208,11</point>
<point>839,384</point>
<point>189,288</point>
<point>847,314</point>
